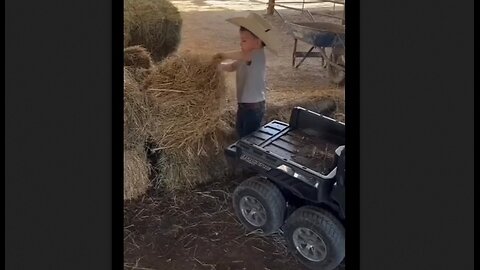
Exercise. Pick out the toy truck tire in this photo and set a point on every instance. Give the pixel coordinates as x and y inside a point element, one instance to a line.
<point>315,237</point>
<point>259,205</point>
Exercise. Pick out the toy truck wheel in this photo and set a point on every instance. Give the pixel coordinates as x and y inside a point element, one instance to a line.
<point>259,205</point>
<point>316,238</point>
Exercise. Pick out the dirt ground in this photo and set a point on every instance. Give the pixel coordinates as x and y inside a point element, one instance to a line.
<point>197,229</point>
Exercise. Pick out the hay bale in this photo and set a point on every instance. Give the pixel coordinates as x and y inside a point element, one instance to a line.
<point>126,35</point>
<point>136,116</point>
<point>230,117</point>
<point>186,169</point>
<point>135,173</point>
<point>129,83</point>
<point>139,75</point>
<point>154,24</point>
<point>137,57</point>
<point>189,96</point>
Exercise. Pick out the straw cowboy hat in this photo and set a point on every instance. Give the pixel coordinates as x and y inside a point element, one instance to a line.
<point>259,27</point>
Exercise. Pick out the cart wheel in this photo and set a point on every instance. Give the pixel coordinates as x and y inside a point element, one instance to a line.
<point>316,238</point>
<point>337,75</point>
<point>259,204</point>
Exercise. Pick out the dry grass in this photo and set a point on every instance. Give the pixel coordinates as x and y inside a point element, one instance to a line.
<point>180,110</point>
<point>189,99</point>
<point>282,103</point>
<point>129,83</point>
<point>184,170</point>
<point>137,57</point>
<point>154,24</point>
<point>139,75</point>
<point>135,172</point>
<point>188,103</point>
<point>136,116</point>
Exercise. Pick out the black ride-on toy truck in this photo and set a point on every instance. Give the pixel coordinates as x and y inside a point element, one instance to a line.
<point>298,185</point>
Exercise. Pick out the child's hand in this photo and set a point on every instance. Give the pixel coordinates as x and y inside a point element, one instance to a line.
<point>228,67</point>
<point>220,67</point>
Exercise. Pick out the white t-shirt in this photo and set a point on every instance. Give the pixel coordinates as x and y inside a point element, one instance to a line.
<point>251,83</point>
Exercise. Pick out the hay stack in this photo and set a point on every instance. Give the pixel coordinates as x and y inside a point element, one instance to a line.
<point>138,61</point>
<point>129,83</point>
<point>189,96</point>
<point>139,75</point>
<point>137,57</point>
<point>154,24</point>
<point>188,93</point>
<point>185,169</point>
<point>126,35</point>
<point>230,117</point>
<point>136,116</point>
<point>135,172</point>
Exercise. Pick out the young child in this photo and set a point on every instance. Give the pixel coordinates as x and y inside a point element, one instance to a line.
<point>249,64</point>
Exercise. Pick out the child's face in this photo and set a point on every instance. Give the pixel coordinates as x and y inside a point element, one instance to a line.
<point>249,42</point>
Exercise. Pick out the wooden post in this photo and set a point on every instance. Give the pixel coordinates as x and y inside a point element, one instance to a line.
<point>271,7</point>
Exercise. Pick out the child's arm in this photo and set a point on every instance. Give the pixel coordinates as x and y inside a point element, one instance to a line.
<point>230,67</point>
<point>234,55</point>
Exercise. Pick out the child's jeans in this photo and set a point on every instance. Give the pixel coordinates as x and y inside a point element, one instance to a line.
<point>249,117</point>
